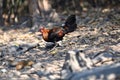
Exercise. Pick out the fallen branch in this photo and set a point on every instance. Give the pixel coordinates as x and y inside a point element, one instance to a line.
<point>110,72</point>
<point>26,49</point>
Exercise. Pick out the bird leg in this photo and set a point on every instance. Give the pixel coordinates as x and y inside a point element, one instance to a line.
<point>56,44</point>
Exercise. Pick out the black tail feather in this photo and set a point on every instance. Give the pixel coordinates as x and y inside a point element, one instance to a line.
<point>70,20</point>
<point>70,24</point>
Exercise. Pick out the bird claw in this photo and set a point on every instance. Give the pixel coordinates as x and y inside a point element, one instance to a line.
<point>59,43</point>
<point>53,50</point>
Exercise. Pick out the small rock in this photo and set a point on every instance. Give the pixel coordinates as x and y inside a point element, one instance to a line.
<point>12,63</point>
<point>3,70</point>
<point>1,67</point>
<point>52,77</point>
<point>1,54</point>
<point>12,49</point>
<point>38,65</point>
<point>23,64</point>
<point>31,70</point>
<point>14,73</point>
<point>53,52</point>
<point>40,73</point>
<point>35,76</point>
<point>17,73</point>
<point>24,76</point>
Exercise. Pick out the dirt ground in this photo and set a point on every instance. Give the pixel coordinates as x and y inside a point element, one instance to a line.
<point>93,34</point>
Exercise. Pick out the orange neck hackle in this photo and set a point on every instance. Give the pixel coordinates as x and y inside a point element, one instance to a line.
<point>43,30</point>
<point>45,33</point>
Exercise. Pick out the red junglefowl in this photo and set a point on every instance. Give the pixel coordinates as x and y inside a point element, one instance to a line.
<point>52,35</point>
<point>57,33</point>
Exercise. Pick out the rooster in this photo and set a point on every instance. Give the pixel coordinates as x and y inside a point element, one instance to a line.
<point>52,35</point>
<point>57,33</point>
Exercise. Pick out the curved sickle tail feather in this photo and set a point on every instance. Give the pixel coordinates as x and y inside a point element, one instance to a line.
<point>70,24</point>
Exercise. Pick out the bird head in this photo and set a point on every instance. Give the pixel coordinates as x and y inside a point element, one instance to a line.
<point>43,30</point>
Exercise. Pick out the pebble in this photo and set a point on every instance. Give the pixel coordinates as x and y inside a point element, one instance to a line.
<point>12,49</point>
<point>23,64</point>
<point>37,65</point>
<point>40,73</point>
<point>1,54</point>
<point>24,76</point>
<point>31,70</point>
<point>35,76</point>
<point>17,73</point>
<point>3,70</point>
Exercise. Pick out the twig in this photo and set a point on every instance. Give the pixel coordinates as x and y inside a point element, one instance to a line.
<point>28,49</point>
